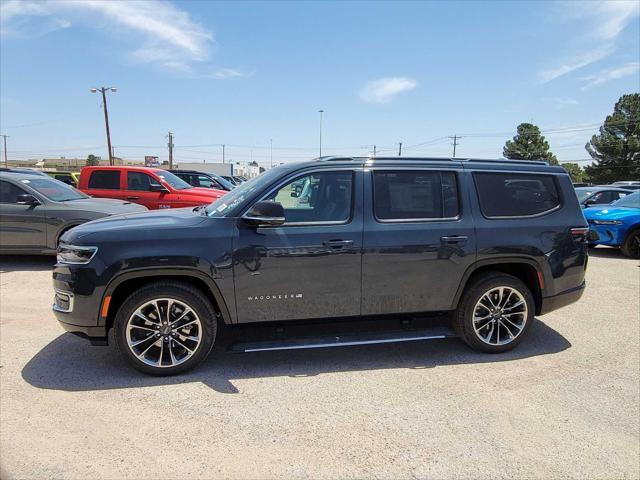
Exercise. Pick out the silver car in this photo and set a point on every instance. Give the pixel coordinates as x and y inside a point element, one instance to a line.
<point>35,210</point>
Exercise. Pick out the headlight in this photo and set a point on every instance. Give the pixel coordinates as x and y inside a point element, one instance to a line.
<point>607,222</point>
<point>75,254</point>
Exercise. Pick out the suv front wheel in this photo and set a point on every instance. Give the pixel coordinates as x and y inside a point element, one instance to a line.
<point>165,328</point>
<point>495,313</point>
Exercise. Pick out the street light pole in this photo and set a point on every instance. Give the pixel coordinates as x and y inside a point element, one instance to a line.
<point>271,152</point>
<point>321,112</point>
<point>103,91</point>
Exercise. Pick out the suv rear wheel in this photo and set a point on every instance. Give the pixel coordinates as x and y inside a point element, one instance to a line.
<point>165,328</point>
<point>495,313</point>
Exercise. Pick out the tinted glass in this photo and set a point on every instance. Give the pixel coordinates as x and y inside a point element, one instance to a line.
<point>139,181</point>
<point>317,197</point>
<point>173,180</point>
<point>9,192</point>
<point>54,189</point>
<point>583,193</point>
<point>630,201</point>
<point>206,182</point>
<point>106,179</point>
<point>516,194</point>
<point>601,198</point>
<point>413,195</point>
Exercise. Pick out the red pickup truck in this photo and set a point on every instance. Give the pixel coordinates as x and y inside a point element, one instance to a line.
<point>152,187</point>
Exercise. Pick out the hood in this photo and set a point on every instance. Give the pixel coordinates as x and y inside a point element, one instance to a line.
<point>201,192</point>
<point>138,224</point>
<point>609,212</point>
<point>108,206</point>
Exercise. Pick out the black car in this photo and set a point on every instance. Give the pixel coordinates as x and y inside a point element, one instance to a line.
<point>204,179</point>
<point>491,243</point>
<point>600,195</point>
<point>35,210</point>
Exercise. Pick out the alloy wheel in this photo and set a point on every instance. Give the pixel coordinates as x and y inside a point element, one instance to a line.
<point>634,247</point>
<point>500,315</point>
<point>164,332</point>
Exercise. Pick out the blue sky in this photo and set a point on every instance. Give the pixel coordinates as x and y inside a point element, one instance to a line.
<point>242,73</point>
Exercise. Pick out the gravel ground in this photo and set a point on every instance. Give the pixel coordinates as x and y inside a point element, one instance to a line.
<point>565,404</point>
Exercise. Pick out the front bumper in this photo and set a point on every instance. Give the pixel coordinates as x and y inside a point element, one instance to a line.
<point>611,235</point>
<point>549,304</point>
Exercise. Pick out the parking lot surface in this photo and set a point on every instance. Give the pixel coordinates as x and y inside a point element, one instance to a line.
<point>564,404</point>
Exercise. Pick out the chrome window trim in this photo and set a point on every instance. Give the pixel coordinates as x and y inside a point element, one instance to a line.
<point>415,220</point>
<point>304,174</point>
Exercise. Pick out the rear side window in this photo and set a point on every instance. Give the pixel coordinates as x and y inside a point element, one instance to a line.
<point>516,194</point>
<point>415,195</point>
<point>105,179</point>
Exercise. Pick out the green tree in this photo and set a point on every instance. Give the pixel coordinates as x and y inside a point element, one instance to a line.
<point>529,144</point>
<point>92,161</point>
<point>616,149</point>
<point>575,172</point>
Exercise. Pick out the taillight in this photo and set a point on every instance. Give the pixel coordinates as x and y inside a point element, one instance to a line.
<point>579,234</point>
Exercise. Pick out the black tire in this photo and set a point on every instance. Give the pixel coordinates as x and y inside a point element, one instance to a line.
<point>631,246</point>
<point>463,322</point>
<point>183,293</point>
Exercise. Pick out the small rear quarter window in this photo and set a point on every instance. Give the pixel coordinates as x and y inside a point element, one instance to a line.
<point>516,194</point>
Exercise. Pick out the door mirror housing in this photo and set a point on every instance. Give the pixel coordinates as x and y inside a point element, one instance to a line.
<point>156,187</point>
<point>265,213</point>
<point>589,202</point>
<point>26,199</point>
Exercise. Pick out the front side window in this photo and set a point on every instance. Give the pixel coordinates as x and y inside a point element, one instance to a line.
<point>415,195</point>
<point>207,182</point>
<point>105,179</point>
<point>139,181</point>
<point>317,197</point>
<point>516,194</point>
<point>602,198</point>
<point>9,192</point>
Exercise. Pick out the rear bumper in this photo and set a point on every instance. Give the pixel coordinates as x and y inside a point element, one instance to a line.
<point>549,304</point>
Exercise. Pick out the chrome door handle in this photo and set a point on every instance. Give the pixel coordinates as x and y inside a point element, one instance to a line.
<point>133,198</point>
<point>454,239</point>
<point>337,243</point>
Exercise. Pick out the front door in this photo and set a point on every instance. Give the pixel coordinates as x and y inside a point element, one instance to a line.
<point>139,191</point>
<point>22,227</point>
<point>310,266</point>
<point>419,239</point>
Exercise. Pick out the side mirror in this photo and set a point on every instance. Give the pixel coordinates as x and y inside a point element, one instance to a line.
<point>26,199</point>
<point>156,187</point>
<point>265,213</point>
<point>294,194</point>
<point>591,201</point>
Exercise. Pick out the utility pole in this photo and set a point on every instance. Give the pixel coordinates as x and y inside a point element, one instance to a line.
<point>271,152</point>
<point>6,162</point>
<point>170,150</point>
<point>223,146</point>
<point>321,112</point>
<point>374,150</point>
<point>400,149</point>
<point>455,144</point>
<point>103,91</point>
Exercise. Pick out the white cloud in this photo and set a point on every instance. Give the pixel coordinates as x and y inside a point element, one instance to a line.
<point>563,102</point>
<point>574,63</point>
<point>384,90</point>
<point>602,23</point>
<point>609,74</point>
<point>163,34</point>
<point>226,73</point>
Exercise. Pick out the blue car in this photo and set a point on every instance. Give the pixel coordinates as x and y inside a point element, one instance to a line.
<point>617,225</point>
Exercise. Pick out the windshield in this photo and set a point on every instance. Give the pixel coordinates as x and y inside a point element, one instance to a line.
<point>54,189</point>
<point>235,197</point>
<point>174,181</point>
<point>630,201</point>
<point>583,193</point>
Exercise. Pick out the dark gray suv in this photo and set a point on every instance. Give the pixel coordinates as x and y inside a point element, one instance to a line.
<point>35,210</point>
<point>490,243</point>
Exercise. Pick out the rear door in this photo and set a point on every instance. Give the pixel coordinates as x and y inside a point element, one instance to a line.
<point>418,238</point>
<point>105,184</point>
<point>22,227</point>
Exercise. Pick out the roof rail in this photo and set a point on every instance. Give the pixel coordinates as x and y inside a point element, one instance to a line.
<point>435,159</point>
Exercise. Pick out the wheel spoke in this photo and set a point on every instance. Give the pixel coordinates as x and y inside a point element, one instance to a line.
<point>155,317</point>
<point>492,315</point>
